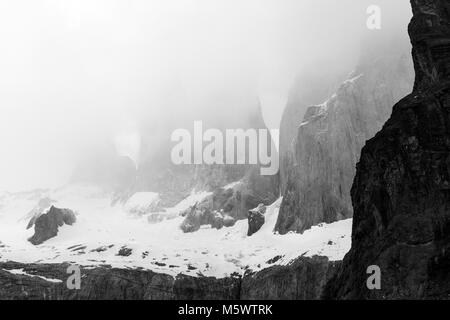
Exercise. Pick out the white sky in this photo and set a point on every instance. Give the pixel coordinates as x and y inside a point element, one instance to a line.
<point>77,71</point>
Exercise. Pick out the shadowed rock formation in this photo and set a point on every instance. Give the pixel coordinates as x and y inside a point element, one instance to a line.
<point>47,224</point>
<point>401,192</point>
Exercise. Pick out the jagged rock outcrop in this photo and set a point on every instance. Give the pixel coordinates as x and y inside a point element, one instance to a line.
<point>198,216</point>
<point>232,203</point>
<point>256,219</point>
<point>47,224</point>
<point>401,192</point>
<point>328,142</point>
<point>195,217</point>
<point>301,279</point>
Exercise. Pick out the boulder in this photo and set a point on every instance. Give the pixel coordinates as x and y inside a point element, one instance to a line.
<point>47,224</point>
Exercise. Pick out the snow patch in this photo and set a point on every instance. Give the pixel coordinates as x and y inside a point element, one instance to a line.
<point>23,273</point>
<point>352,80</point>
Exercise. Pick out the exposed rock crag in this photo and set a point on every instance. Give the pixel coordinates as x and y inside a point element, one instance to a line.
<point>401,192</point>
<point>47,224</point>
<point>232,203</point>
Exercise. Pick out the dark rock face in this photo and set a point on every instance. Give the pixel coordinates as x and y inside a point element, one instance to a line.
<point>429,30</point>
<point>302,279</point>
<point>46,225</point>
<point>321,166</point>
<point>401,192</point>
<point>256,219</point>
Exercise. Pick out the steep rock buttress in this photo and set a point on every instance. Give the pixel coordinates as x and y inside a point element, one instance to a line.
<point>401,192</point>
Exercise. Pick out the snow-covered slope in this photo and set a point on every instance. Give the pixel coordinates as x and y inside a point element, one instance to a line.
<point>142,202</point>
<point>102,230</point>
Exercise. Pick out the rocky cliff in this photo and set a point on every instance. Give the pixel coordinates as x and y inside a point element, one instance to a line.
<point>321,166</point>
<point>401,192</point>
<point>304,278</point>
<point>311,87</point>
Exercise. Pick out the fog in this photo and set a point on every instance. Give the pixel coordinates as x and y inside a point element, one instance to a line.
<point>74,73</point>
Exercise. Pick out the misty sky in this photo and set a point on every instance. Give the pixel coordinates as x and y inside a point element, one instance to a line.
<point>77,71</point>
